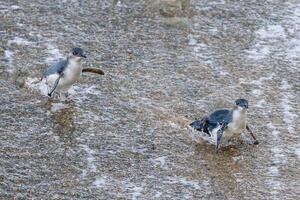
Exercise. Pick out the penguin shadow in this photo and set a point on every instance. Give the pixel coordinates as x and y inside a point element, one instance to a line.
<point>62,117</point>
<point>206,148</point>
<point>230,147</point>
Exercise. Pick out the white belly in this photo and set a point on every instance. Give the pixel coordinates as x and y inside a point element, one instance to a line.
<point>71,75</point>
<point>238,124</point>
<point>69,78</point>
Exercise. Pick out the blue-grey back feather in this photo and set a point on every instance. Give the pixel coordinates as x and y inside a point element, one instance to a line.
<point>222,115</point>
<point>56,68</point>
<point>208,123</point>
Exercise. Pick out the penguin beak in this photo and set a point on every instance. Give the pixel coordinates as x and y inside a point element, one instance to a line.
<point>83,56</point>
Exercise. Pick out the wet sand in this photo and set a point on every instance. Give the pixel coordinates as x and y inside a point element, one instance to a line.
<point>124,136</point>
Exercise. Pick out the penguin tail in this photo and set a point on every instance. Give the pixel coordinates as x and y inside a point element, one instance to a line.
<point>201,125</point>
<point>197,124</point>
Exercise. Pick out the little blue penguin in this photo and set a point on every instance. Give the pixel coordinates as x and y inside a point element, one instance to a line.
<point>62,75</point>
<point>227,122</point>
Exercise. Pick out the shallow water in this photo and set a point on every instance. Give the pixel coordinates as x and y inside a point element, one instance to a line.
<point>124,136</point>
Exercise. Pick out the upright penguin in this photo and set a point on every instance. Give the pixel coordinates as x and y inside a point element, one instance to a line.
<point>62,75</point>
